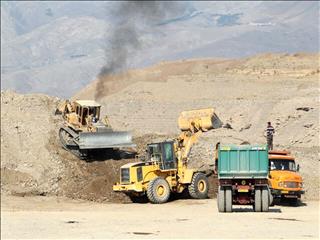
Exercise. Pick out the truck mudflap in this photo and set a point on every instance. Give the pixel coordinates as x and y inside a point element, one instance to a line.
<point>94,140</point>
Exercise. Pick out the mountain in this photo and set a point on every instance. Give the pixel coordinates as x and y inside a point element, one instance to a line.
<point>59,47</point>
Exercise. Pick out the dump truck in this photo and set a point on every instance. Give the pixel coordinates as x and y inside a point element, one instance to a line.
<point>243,176</point>
<point>84,130</point>
<point>284,180</point>
<point>165,167</point>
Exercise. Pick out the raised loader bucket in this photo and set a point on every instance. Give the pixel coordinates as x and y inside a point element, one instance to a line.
<point>94,140</point>
<point>199,118</point>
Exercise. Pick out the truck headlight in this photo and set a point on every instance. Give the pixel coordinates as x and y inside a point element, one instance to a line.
<point>300,185</point>
<point>280,184</point>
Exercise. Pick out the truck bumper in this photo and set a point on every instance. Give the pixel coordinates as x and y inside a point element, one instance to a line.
<point>285,193</point>
<point>127,187</point>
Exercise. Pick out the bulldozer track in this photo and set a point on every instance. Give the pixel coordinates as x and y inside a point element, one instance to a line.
<point>73,148</point>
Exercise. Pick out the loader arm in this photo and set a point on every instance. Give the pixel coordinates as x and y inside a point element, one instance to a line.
<point>192,124</point>
<point>186,140</point>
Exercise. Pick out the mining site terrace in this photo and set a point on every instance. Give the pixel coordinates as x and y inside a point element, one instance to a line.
<point>45,187</point>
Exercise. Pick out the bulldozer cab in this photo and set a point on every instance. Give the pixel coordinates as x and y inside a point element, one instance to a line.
<point>87,111</point>
<point>163,154</point>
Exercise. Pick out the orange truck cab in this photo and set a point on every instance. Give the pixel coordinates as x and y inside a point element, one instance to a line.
<point>284,179</point>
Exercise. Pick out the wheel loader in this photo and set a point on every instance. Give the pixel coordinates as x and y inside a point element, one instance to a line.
<point>84,130</point>
<point>165,169</point>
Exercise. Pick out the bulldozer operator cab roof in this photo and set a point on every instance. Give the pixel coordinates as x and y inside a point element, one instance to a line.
<point>88,103</point>
<point>86,108</point>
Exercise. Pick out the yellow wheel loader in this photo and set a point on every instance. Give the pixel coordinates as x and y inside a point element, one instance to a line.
<point>83,130</point>
<point>165,169</point>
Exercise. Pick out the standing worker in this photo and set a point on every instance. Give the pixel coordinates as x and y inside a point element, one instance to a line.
<point>269,134</point>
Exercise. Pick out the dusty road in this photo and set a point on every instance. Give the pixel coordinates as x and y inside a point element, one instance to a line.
<point>48,218</point>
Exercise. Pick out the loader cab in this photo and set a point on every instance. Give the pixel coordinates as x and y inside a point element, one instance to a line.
<point>163,154</point>
<point>87,109</point>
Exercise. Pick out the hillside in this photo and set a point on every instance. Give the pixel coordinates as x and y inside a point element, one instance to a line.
<point>246,93</point>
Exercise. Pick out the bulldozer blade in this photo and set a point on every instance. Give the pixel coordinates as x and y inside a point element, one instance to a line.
<point>95,140</point>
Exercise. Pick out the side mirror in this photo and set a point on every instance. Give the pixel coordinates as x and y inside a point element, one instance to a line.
<point>298,168</point>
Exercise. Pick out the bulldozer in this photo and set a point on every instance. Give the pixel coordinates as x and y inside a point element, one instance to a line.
<point>164,169</point>
<point>84,130</point>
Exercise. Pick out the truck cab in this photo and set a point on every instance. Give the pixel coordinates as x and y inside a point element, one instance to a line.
<point>284,179</point>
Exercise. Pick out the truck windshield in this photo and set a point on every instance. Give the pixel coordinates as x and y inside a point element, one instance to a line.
<point>280,164</point>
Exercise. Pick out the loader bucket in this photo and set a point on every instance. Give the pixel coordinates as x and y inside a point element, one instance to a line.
<point>201,118</point>
<point>95,140</point>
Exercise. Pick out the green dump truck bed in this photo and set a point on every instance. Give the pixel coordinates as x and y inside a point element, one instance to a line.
<point>244,161</point>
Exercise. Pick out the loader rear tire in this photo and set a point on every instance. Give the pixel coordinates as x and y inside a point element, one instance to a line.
<point>257,200</point>
<point>228,199</point>
<point>221,200</point>
<point>265,199</point>
<point>158,191</point>
<point>199,186</point>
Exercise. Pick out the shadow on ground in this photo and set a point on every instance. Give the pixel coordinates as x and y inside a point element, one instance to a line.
<point>108,154</point>
<point>250,209</point>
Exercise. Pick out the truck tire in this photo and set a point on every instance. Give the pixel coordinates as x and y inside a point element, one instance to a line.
<point>220,200</point>
<point>257,200</point>
<point>199,186</point>
<point>265,199</point>
<point>228,199</point>
<point>271,199</point>
<point>158,191</point>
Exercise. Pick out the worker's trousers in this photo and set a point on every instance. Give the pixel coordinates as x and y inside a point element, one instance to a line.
<point>270,142</point>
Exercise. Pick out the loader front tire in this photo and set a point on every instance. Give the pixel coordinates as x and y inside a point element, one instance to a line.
<point>158,191</point>
<point>199,186</point>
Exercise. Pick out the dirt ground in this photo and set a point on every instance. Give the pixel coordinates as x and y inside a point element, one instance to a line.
<point>57,218</point>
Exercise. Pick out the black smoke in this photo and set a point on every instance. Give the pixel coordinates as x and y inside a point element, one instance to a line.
<point>125,38</point>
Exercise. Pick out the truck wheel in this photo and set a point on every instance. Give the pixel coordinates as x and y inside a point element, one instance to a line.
<point>228,200</point>
<point>271,199</point>
<point>257,200</point>
<point>265,200</point>
<point>199,186</point>
<point>158,191</point>
<point>221,201</point>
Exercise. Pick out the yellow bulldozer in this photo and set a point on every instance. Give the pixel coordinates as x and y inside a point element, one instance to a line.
<point>84,130</point>
<point>165,168</point>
